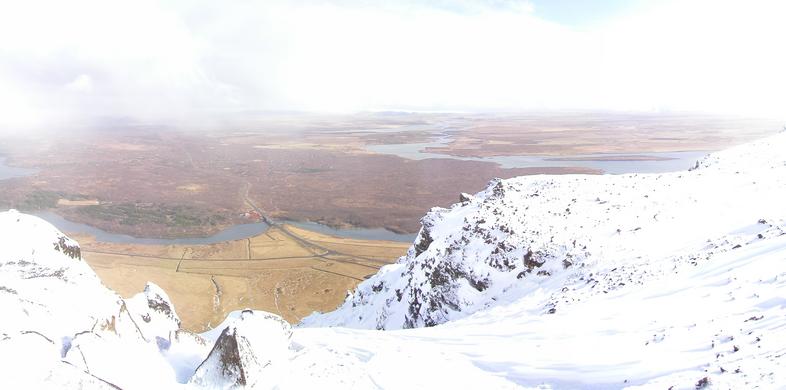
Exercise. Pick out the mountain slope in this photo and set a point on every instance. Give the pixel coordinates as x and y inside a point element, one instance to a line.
<point>574,236</point>
<point>724,320</point>
<point>62,327</point>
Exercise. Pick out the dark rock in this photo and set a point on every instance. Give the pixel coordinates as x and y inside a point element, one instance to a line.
<point>68,247</point>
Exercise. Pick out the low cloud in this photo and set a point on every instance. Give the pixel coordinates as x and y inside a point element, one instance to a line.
<point>169,61</point>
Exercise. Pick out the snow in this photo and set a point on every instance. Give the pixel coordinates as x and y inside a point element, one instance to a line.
<point>591,282</point>
<point>672,332</point>
<point>62,327</point>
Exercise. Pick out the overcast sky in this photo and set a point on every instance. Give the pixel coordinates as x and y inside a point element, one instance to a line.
<point>65,61</point>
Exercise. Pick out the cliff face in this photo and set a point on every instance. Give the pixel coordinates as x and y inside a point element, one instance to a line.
<point>570,237</point>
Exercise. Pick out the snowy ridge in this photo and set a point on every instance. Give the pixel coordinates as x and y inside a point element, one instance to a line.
<point>580,235</point>
<point>62,328</point>
<point>85,334</point>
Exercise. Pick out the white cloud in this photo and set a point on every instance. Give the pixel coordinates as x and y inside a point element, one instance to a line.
<point>173,60</point>
<point>82,83</point>
<point>722,56</point>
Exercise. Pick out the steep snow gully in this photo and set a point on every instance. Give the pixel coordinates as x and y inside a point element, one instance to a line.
<point>661,281</point>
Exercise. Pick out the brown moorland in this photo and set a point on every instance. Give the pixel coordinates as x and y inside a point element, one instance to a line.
<point>155,181</point>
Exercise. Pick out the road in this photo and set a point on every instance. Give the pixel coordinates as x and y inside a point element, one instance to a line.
<point>305,243</point>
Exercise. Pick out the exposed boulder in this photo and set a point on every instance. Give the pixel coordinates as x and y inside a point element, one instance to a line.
<point>251,348</point>
<point>154,313</point>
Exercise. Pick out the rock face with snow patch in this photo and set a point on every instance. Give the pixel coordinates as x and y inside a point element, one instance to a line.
<point>249,348</point>
<point>154,313</point>
<point>578,235</point>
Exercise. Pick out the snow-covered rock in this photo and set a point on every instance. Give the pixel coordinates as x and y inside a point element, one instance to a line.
<point>250,351</point>
<point>573,236</point>
<point>79,332</point>
<point>47,292</point>
<point>722,319</point>
<point>153,311</point>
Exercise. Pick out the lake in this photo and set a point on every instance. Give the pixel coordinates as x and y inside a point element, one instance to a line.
<point>656,162</point>
<point>7,172</point>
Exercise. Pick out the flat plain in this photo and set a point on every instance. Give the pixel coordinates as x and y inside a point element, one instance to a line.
<point>288,271</point>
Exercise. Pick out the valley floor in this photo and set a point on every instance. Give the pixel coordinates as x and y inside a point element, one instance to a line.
<point>271,272</point>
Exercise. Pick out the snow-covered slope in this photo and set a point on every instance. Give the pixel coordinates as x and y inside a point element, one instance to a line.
<point>61,327</point>
<point>571,282</point>
<point>571,237</point>
<point>723,319</point>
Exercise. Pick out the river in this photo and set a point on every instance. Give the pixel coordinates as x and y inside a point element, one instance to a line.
<point>235,232</point>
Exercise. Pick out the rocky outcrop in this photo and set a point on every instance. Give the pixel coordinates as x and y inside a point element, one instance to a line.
<point>249,348</point>
<point>154,314</point>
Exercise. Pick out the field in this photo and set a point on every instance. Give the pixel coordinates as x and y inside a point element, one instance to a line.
<point>288,271</point>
